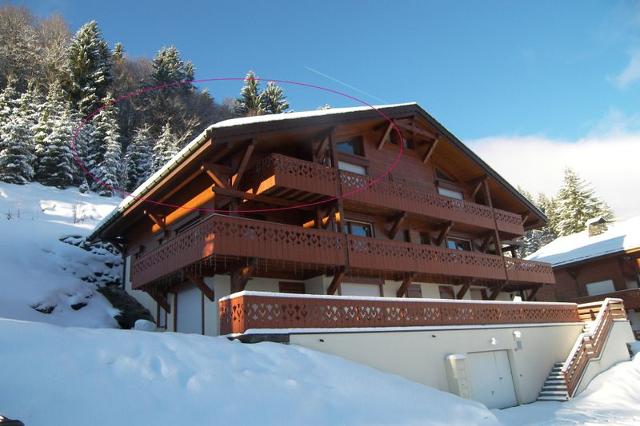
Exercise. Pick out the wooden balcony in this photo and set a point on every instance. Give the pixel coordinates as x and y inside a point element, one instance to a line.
<point>630,298</point>
<point>226,236</point>
<point>254,311</point>
<point>279,175</point>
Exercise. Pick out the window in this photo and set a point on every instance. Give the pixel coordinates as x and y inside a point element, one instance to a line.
<point>446,292</point>
<point>353,168</point>
<point>414,290</point>
<point>458,244</point>
<point>360,229</point>
<point>600,287</point>
<point>444,176</point>
<point>425,238</point>
<point>352,146</point>
<point>291,287</point>
<point>407,236</point>
<point>450,193</point>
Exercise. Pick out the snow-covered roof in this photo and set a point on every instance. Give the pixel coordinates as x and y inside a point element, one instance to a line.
<point>619,237</point>
<point>202,138</point>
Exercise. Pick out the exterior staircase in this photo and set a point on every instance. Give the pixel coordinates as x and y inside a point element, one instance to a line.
<point>554,388</point>
<point>598,317</point>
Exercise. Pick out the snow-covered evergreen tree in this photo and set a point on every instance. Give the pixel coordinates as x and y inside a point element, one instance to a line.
<point>103,152</point>
<point>56,166</point>
<point>534,239</point>
<point>52,109</point>
<point>8,102</point>
<point>165,148</point>
<point>90,68</point>
<point>138,159</point>
<point>577,203</point>
<point>169,68</point>
<point>273,100</point>
<point>15,156</point>
<point>249,103</point>
<point>27,109</point>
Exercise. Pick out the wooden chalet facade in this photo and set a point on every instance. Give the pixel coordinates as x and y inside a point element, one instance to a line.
<point>325,202</point>
<point>602,261</point>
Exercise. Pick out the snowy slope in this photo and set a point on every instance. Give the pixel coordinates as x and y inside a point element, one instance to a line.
<point>78,377</point>
<point>36,269</point>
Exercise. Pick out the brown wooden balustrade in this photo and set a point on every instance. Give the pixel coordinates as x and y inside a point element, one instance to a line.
<point>234,236</point>
<point>254,311</point>
<point>630,297</point>
<point>591,343</point>
<point>280,171</point>
<point>246,238</point>
<point>385,255</point>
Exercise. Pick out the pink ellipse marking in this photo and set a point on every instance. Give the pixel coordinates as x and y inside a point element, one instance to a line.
<point>370,183</point>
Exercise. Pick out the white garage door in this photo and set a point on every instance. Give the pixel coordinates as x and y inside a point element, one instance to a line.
<point>359,289</point>
<point>189,311</point>
<point>490,379</point>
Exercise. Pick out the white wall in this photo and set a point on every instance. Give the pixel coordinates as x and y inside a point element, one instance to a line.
<point>615,351</point>
<point>189,310</point>
<point>421,355</point>
<point>141,296</point>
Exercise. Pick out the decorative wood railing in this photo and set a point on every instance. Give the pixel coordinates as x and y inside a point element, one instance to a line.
<point>590,343</point>
<point>264,311</point>
<point>241,237</point>
<point>385,255</point>
<point>278,170</point>
<point>234,236</point>
<point>630,297</point>
<point>407,196</point>
<point>529,271</point>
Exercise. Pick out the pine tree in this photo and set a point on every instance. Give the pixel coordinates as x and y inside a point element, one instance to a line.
<point>249,103</point>
<point>138,159</point>
<point>27,109</point>
<point>54,105</point>
<point>169,68</point>
<point>104,151</point>
<point>90,68</point>
<point>273,100</point>
<point>15,156</point>
<point>8,102</point>
<point>165,149</point>
<point>577,203</point>
<point>118,52</point>
<point>56,166</point>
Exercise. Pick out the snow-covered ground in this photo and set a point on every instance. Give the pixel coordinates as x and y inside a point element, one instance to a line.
<point>37,269</point>
<point>60,374</point>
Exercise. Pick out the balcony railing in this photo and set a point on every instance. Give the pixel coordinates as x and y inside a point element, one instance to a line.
<point>254,311</point>
<point>246,238</point>
<point>630,297</point>
<point>277,170</point>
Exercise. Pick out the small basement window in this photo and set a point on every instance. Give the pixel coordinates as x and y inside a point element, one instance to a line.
<point>353,168</point>
<point>352,146</point>
<point>446,292</point>
<point>458,244</point>
<point>600,287</point>
<point>360,229</point>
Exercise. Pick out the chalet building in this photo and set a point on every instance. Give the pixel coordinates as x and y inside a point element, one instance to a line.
<point>602,261</point>
<point>375,235</point>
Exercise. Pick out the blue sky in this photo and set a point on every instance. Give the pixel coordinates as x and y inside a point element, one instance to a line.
<point>482,68</point>
<point>555,77</point>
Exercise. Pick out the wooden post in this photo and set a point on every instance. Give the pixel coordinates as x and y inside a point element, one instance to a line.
<point>430,151</point>
<point>465,287</point>
<point>396,223</point>
<point>487,193</point>
<point>336,281</point>
<point>243,164</point>
<point>199,282</point>
<point>404,287</point>
<point>533,292</point>
<point>385,136</point>
<point>443,233</point>
<point>240,276</point>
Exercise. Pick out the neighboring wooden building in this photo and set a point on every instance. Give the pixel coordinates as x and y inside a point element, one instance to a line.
<point>316,206</point>
<point>602,261</point>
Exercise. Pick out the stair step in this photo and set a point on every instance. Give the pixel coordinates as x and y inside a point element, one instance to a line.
<point>561,388</point>
<point>552,398</point>
<point>554,382</point>
<point>553,393</point>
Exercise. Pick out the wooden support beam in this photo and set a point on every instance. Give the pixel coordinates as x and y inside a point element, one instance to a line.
<point>465,287</point>
<point>318,220</point>
<point>243,165</point>
<point>158,220</point>
<point>210,171</point>
<point>160,300</point>
<point>415,130</point>
<point>396,223</point>
<point>266,199</point>
<point>485,243</point>
<point>331,217</point>
<point>240,275</point>
<point>385,136</point>
<point>320,152</point>
<point>404,287</point>
<point>477,185</point>
<point>443,232</point>
<point>336,281</point>
<point>496,290</point>
<point>525,217</point>
<point>430,151</point>
<point>532,294</point>
<point>198,280</point>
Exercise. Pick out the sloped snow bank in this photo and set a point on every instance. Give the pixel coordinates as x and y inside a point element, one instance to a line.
<point>613,397</point>
<point>77,377</point>
<point>38,270</point>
